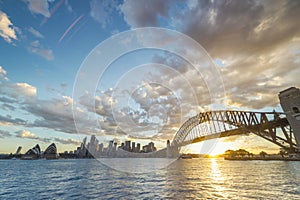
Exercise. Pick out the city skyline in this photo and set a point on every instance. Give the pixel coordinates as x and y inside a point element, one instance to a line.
<point>253,45</point>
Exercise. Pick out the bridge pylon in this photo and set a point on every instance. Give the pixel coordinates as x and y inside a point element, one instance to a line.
<point>290,103</point>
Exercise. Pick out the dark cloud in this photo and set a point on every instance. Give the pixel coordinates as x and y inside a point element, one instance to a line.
<point>7,107</point>
<point>9,120</point>
<point>7,100</point>
<point>57,114</point>
<point>4,134</point>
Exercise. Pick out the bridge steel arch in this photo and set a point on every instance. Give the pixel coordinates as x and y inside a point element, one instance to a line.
<point>272,126</point>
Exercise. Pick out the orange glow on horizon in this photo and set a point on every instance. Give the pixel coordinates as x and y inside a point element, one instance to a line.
<point>211,147</point>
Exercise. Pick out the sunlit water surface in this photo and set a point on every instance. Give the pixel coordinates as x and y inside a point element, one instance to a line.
<point>194,179</point>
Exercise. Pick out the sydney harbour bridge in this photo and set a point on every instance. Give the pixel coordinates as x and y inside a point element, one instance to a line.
<point>280,128</point>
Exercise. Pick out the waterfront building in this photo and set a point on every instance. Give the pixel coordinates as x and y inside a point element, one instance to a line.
<point>149,148</point>
<point>18,150</point>
<point>100,148</point>
<point>115,147</point>
<point>92,146</point>
<point>127,145</point>
<point>138,148</point>
<point>110,148</point>
<point>83,149</point>
<point>122,146</point>
<point>51,152</point>
<point>33,153</point>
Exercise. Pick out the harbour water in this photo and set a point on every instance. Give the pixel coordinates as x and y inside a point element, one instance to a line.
<point>183,179</point>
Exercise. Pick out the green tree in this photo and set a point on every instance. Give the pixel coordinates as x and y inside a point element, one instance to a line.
<point>283,152</point>
<point>263,154</point>
<point>242,152</point>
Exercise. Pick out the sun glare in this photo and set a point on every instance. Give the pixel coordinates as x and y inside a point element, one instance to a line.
<point>211,147</point>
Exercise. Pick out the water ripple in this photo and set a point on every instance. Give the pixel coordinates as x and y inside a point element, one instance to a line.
<point>184,179</point>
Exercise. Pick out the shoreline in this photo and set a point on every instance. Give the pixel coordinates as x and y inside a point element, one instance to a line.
<point>264,159</point>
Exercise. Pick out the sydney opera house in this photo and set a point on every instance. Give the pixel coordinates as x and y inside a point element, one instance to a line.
<point>36,153</point>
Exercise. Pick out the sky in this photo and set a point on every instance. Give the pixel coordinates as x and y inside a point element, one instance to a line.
<point>165,62</point>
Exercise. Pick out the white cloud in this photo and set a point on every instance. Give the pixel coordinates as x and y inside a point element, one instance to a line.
<point>23,89</point>
<point>39,7</point>
<point>17,92</point>
<point>100,10</point>
<point>35,33</point>
<point>3,73</point>
<point>6,28</point>
<point>26,134</point>
<point>68,100</point>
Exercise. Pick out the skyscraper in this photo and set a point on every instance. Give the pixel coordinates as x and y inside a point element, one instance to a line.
<point>138,147</point>
<point>133,147</point>
<point>127,145</point>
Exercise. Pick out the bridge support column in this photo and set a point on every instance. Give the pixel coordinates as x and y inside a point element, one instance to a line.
<point>290,103</point>
<point>172,151</point>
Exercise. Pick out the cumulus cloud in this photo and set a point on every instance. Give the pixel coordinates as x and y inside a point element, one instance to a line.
<point>57,114</point>
<point>18,91</point>
<point>26,134</point>
<point>39,7</point>
<point>258,43</point>
<point>24,89</point>
<point>7,31</point>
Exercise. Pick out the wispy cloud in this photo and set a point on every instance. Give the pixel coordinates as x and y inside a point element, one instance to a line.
<point>100,10</point>
<point>35,33</point>
<point>38,49</point>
